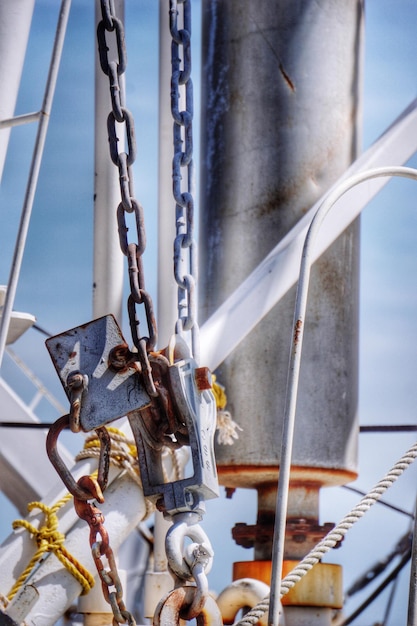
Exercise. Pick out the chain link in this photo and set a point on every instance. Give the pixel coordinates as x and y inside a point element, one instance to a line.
<point>100,547</point>
<point>118,117</point>
<point>86,490</point>
<point>185,259</point>
<point>190,561</point>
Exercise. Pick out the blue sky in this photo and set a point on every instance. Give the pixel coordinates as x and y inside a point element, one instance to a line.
<point>56,275</point>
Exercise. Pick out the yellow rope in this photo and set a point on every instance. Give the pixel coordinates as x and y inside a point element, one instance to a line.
<point>219,394</point>
<point>49,539</point>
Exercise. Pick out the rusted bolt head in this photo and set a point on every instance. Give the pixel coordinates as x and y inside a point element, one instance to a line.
<point>203,378</point>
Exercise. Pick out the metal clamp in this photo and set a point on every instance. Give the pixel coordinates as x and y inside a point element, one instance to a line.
<point>189,390</point>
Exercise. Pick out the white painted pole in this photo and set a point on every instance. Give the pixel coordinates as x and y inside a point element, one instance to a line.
<point>34,173</point>
<point>108,261</point>
<point>15,21</point>
<point>158,581</point>
<point>278,271</point>
<point>167,290</point>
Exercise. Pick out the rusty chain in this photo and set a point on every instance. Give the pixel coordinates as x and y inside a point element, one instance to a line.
<point>180,404</point>
<point>100,547</point>
<point>87,491</point>
<point>185,255</point>
<point>111,26</point>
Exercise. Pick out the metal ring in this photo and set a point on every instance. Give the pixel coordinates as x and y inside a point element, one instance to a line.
<point>173,607</point>
<point>174,546</point>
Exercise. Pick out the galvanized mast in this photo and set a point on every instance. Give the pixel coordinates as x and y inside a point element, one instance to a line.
<point>281,105</point>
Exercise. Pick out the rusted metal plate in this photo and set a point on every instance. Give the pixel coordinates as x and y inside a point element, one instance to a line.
<point>109,394</point>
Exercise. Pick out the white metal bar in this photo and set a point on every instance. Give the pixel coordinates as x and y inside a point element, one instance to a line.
<point>412,595</point>
<point>33,174</point>
<point>25,473</point>
<point>108,259</point>
<point>42,391</point>
<point>19,120</point>
<point>167,288</point>
<point>15,21</point>
<point>308,255</point>
<point>57,587</point>
<point>278,272</point>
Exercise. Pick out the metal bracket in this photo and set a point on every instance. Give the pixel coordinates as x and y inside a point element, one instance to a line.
<point>196,404</point>
<point>109,393</point>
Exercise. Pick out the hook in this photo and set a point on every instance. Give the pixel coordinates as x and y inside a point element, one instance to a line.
<point>95,487</point>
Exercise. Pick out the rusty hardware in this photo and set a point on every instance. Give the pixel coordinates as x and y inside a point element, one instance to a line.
<point>301,532</point>
<point>76,384</point>
<point>186,414</point>
<point>182,413</point>
<point>120,119</point>
<point>87,491</point>
<point>175,606</point>
<point>99,374</point>
<point>100,547</point>
<point>79,490</point>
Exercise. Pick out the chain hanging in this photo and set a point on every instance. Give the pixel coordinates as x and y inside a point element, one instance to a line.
<point>87,492</point>
<point>120,115</point>
<point>185,254</point>
<point>100,547</point>
<point>179,407</point>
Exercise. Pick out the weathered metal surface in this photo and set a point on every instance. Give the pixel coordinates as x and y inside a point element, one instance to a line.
<point>321,587</point>
<point>278,271</point>
<point>171,608</point>
<point>86,350</point>
<point>267,70</point>
<point>20,605</point>
<point>197,409</point>
<point>301,534</point>
<point>241,594</point>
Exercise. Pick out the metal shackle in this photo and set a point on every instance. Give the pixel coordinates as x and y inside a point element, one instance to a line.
<point>243,593</point>
<point>175,605</point>
<point>180,560</point>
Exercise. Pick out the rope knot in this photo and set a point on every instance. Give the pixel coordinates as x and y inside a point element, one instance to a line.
<point>50,539</point>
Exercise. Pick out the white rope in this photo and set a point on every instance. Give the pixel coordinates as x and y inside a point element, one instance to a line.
<point>334,536</point>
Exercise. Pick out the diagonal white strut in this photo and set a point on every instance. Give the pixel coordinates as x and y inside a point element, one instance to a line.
<point>279,271</point>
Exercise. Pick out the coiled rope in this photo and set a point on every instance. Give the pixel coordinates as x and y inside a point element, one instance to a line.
<point>334,536</point>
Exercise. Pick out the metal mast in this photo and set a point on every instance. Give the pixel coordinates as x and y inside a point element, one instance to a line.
<point>281,102</point>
